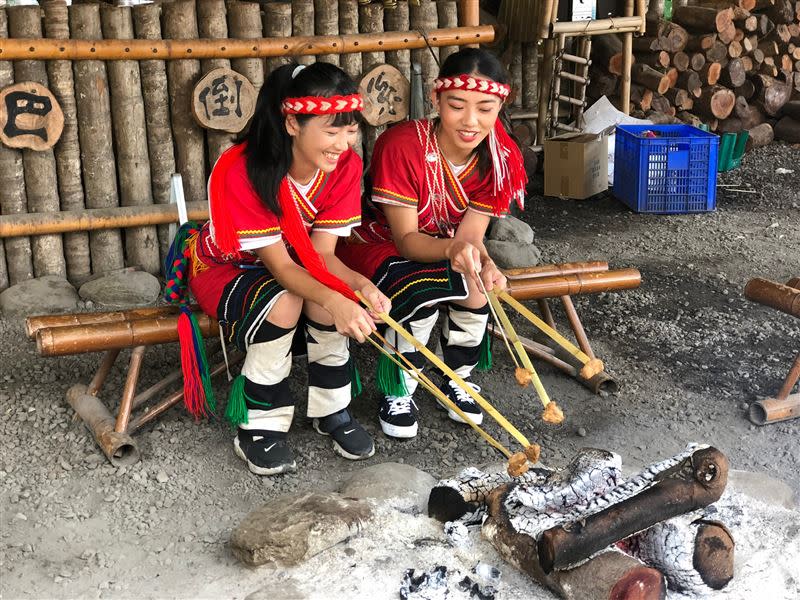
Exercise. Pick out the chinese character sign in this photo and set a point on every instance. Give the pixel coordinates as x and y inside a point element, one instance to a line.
<point>224,100</point>
<point>386,95</point>
<point>30,117</point>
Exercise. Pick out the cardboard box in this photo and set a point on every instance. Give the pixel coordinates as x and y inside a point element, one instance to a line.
<point>575,165</point>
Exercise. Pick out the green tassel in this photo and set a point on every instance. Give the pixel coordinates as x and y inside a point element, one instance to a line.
<point>485,357</point>
<point>355,380</point>
<point>202,363</point>
<point>389,378</point>
<point>236,411</point>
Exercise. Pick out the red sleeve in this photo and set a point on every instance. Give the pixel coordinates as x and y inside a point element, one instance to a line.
<point>396,167</point>
<point>256,226</point>
<point>339,205</point>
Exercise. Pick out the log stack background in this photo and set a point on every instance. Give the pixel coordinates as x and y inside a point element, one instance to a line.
<point>128,124</point>
<point>733,65</point>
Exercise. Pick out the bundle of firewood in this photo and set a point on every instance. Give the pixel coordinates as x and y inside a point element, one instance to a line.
<point>731,64</point>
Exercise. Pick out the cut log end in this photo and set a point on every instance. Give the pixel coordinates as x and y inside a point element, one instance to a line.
<point>713,555</point>
<point>446,504</point>
<point>640,583</point>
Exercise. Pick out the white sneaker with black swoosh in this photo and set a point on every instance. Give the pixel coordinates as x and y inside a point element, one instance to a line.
<point>350,439</point>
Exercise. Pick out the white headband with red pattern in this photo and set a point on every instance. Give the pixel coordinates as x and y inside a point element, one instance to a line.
<point>320,105</point>
<point>470,83</point>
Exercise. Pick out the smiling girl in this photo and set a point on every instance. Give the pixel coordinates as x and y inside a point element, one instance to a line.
<point>435,186</point>
<point>279,202</point>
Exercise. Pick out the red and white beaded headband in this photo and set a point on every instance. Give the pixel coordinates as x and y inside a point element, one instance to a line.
<point>320,105</point>
<point>472,84</point>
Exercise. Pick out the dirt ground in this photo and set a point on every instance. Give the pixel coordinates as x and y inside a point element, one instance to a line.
<point>690,353</point>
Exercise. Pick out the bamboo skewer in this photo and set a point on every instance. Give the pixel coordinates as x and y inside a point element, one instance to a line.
<point>552,413</point>
<point>591,366</point>
<point>439,363</point>
<point>425,382</point>
<point>497,321</point>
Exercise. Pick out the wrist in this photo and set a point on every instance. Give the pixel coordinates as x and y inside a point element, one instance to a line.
<point>330,300</point>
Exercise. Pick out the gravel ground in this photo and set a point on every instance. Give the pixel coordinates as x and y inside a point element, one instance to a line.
<point>689,352</point>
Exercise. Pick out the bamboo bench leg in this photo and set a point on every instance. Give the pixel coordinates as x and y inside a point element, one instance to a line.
<point>577,326</point>
<point>128,392</point>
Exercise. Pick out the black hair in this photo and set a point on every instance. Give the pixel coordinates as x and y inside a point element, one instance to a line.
<point>269,145</point>
<point>474,61</point>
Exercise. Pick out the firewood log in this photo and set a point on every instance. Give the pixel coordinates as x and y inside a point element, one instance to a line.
<point>781,12</point>
<point>691,82</point>
<point>715,101</point>
<point>680,60</point>
<point>730,125</point>
<point>603,83</point>
<point>750,114</point>
<point>660,118</point>
<point>697,61</point>
<point>734,49</point>
<point>672,75</point>
<point>771,93</point>
<point>657,60</point>
<point>760,135</point>
<point>689,118</point>
<point>788,130</point>
<point>607,53</point>
<point>641,96</point>
<point>747,90</point>
<point>703,19</point>
<point>679,98</point>
<point>643,44</point>
<point>710,73</point>
<point>791,109</point>
<point>660,104</point>
<point>701,43</point>
<point>734,74</point>
<point>717,52</point>
<point>650,78</point>
<point>727,35</point>
<point>748,64</point>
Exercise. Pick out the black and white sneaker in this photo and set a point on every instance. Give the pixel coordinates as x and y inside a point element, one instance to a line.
<point>463,401</point>
<point>265,452</point>
<point>398,416</point>
<point>350,439</point>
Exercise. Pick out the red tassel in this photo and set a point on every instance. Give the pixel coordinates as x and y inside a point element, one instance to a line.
<point>222,228</point>
<point>514,187</point>
<point>294,229</point>
<point>193,393</point>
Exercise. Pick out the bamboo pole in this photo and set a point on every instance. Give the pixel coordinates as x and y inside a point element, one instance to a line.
<point>470,15</point>
<point>67,150</point>
<point>244,23</point>
<point>569,285</point>
<point>302,25</point>
<point>147,23</point>
<point>326,22</point>
<point>13,200</point>
<point>627,61</point>
<point>3,267</point>
<point>397,19</point>
<point>600,26</point>
<point>423,17</point>
<point>41,181</point>
<point>348,25</point>
<point>180,49</point>
<point>277,24</point>
<point>23,224</point>
<point>180,22</point>
<point>95,135</point>
<point>555,269</point>
<point>448,17</point>
<point>370,21</point>
<point>130,140</point>
<point>212,23</point>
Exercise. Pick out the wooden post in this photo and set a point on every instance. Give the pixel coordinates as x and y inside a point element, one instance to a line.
<point>130,137</point>
<point>370,20</point>
<point>326,22</point>
<point>244,23</point>
<point>94,133</point>
<point>278,24</point>
<point>302,25</point>
<point>530,57</point>
<point>180,22</point>
<point>12,187</point>
<point>448,17</point>
<point>348,24</point>
<point>397,19</point>
<point>515,70</point>
<point>212,23</point>
<point>470,15</point>
<point>627,61</point>
<point>41,181</point>
<point>147,22</point>
<point>67,150</point>
<point>423,17</point>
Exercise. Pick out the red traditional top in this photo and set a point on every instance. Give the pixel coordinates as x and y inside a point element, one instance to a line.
<point>407,169</point>
<point>332,203</point>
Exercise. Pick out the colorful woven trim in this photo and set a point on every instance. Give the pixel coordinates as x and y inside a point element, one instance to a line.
<point>472,84</point>
<point>321,105</point>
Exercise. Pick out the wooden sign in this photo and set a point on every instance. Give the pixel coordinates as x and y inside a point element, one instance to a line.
<point>223,99</point>
<point>30,117</point>
<point>386,95</point>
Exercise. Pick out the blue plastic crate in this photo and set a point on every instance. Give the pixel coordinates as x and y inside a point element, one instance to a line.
<point>673,173</point>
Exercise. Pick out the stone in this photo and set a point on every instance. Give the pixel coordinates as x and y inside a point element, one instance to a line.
<point>295,527</point>
<point>762,487</point>
<point>390,480</point>
<point>123,289</point>
<point>511,229</point>
<point>44,295</point>
<point>513,255</point>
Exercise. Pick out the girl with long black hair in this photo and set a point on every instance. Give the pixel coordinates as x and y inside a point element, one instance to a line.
<point>435,186</point>
<point>279,201</point>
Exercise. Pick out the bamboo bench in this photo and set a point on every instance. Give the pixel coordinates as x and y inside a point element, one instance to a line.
<point>139,329</point>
